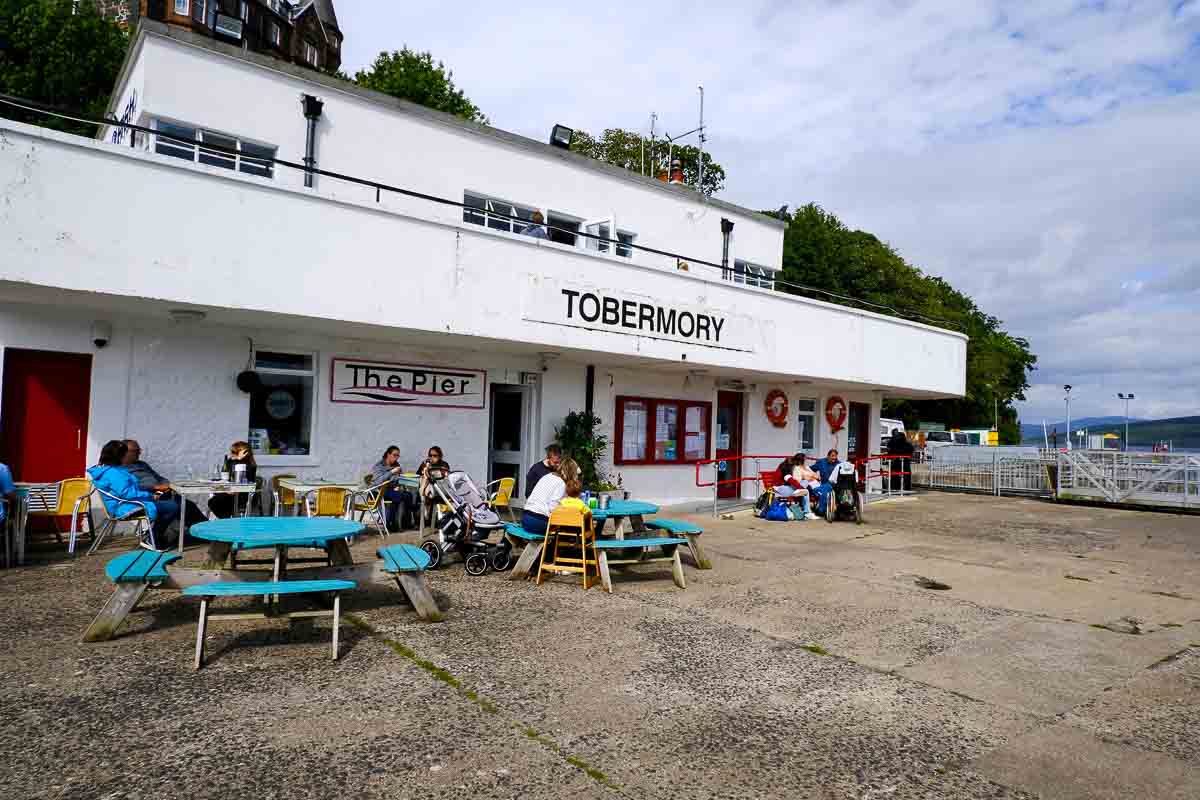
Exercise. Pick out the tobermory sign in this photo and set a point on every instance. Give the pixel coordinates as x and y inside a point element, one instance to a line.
<point>355,380</point>
<point>633,315</point>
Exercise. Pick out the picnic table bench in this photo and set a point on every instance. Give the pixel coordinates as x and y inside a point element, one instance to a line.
<point>687,530</point>
<point>670,550</point>
<point>208,592</point>
<point>406,563</point>
<point>133,573</point>
<point>533,544</point>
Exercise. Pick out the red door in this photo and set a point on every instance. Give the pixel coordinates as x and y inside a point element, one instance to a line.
<point>729,442</point>
<point>44,414</point>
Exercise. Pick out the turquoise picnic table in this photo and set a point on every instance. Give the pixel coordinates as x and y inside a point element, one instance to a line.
<point>400,564</point>
<point>628,516</point>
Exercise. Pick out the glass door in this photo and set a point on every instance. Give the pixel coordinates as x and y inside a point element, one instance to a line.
<point>507,450</point>
<point>729,443</point>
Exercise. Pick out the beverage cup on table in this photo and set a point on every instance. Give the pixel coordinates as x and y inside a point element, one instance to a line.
<point>224,477</point>
<point>239,473</point>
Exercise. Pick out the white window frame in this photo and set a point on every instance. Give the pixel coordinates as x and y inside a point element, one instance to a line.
<point>751,274</point>
<point>275,33</point>
<point>183,8</point>
<point>495,209</point>
<point>312,459</point>
<point>311,54</point>
<point>198,146</point>
<point>244,11</point>
<point>812,421</point>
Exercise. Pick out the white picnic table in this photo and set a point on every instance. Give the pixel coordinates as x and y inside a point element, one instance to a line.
<point>205,489</point>
<point>18,517</point>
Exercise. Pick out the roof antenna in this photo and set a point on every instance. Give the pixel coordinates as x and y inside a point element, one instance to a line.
<point>700,167</point>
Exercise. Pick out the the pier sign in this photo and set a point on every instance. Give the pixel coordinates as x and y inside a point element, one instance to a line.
<point>357,380</point>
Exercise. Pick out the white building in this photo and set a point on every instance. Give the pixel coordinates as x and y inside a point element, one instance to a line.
<point>375,317</point>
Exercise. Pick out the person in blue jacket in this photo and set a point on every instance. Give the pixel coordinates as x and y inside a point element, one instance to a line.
<point>8,490</point>
<point>825,468</point>
<point>113,478</point>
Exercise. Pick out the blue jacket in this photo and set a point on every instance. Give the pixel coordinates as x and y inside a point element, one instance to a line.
<point>824,467</point>
<point>6,487</point>
<point>116,481</point>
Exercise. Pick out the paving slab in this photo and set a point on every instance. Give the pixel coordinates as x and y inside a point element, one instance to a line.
<point>1065,763</point>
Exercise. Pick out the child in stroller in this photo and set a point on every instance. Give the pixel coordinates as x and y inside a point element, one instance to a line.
<point>465,526</point>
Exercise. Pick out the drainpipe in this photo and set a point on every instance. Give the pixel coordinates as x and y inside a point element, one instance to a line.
<point>726,229</point>
<point>589,396</point>
<point>312,113</point>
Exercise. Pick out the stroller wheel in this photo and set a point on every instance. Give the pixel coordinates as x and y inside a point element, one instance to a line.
<point>858,509</point>
<point>435,552</point>
<point>502,559</point>
<point>831,507</point>
<point>477,564</point>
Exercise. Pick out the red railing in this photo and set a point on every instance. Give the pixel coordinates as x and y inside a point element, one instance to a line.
<point>726,481</point>
<point>862,464</point>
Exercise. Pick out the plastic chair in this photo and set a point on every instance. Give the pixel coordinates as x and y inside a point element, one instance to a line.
<point>143,528</point>
<point>370,502</point>
<point>281,495</point>
<point>73,494</point>
<point>328,501</point>
<point>570,533</point>
<point>502,496</point>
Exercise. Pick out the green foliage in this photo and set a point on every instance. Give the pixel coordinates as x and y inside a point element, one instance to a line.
<point>630,151</point>
<point>580,440</point>
<point>413,76</point>
<point>53,54</point>
<point>820,251</point>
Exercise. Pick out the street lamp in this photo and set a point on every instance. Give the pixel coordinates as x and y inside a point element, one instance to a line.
<point>1067,389</point>
<point>1126,398</point>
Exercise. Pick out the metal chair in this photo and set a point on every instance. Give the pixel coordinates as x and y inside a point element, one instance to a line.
<point>328,501</point>
<point>371,502</point>
<point>143,527</point>
<point>281,495</point>
<point>73,494</point>
<point>502,496</point>
<point>570,534</point>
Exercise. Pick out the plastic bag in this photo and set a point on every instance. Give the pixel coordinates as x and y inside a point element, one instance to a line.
<point>776,512</point>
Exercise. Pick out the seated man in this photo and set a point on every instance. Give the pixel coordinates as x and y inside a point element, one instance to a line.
<point>150,481</point>
<point>825,469</point>
<point>538,229</point>
<point>542,468</point>
<point>8,491</point>
<point>110,476</point>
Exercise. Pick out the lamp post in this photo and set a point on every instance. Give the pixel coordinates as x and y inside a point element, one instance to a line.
<point>1067,389</point>
<point>1126,398</point>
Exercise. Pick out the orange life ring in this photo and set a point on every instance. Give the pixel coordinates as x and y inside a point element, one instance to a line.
<point>776,407</point>
<point>835,413</point>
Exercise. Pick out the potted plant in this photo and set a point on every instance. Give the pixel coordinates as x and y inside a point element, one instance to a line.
<point>580,440</point>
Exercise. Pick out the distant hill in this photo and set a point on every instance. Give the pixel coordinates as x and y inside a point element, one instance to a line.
<point>1034,430</point>
<point>1180,431</point>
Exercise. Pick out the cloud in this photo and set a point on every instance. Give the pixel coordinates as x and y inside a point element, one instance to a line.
<point>1040,156</point>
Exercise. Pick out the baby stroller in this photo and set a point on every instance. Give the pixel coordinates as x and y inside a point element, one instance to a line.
<point>465,526</point>
<point>845,501</point>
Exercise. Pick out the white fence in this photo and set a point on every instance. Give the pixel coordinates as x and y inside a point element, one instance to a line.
<point>1156,479</point>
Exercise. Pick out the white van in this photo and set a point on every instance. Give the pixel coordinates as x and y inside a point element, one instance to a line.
<point>886,426</point>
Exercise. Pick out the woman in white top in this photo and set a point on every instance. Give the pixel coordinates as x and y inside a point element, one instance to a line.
<point>545,497</point>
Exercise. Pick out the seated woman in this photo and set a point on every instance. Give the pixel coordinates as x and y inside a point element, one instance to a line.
<point>432,469</point>
<point>545,497</point>
<point>797,480</point>
<point>400,502</point>
<point>109,476</point>
<point>224,506</point>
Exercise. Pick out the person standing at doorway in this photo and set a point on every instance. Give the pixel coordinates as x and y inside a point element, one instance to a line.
<point>542,468</point>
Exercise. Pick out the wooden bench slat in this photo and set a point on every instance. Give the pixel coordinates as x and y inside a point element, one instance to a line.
<point>621,544</point>
<point>139,566</point>
<point>673,525</point>
<point>403,558</point>
<point>521,533</point>
<point>252,588</point>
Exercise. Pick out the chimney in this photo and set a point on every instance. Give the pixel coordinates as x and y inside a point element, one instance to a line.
<point>676,171</point>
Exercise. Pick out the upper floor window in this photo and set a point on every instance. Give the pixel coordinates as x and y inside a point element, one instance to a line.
<point>183,7</point>
<point>188,143</point>
<point>274,34</point>
<point>311,55</point>
<point>753,274</point>
<point>244,10</point>
<point>198,9</point>
<point>597,234</point>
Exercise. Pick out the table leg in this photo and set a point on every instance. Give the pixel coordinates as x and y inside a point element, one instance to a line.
<point>605,578</point>
<point>677,568</point>
<point>218,554</point>
<point>19,533</point>
<point>529,557</point>
<point>693,540</point>
<point>339,553</point>
<point>201,625</point>
<point>413,584</point>
<point>114,611</point>
<point>182,520</point>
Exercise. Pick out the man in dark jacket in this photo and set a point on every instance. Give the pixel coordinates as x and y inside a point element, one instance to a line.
<point>543,468</point>
<point>149,480</point>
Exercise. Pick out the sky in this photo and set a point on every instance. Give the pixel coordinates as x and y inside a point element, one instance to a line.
<point>1042,156</point>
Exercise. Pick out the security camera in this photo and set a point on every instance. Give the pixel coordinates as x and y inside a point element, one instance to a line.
<point>101,333</point>
<point>1067,387</point>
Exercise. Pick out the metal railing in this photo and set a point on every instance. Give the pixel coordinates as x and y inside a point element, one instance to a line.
<point>994,470</point>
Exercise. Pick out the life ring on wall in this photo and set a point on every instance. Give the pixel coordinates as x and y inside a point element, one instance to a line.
<point>835,413</point>
<point>776,407</point>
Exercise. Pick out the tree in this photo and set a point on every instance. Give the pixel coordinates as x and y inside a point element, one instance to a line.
<point>820,252</point>
<point>413,76</point>
<point>59,53</point>
<point>631,151</point>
